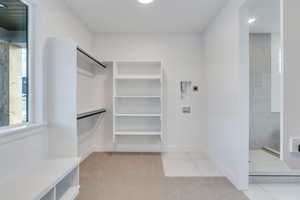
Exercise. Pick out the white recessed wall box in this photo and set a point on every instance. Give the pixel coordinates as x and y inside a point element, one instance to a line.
<point>295,145</point>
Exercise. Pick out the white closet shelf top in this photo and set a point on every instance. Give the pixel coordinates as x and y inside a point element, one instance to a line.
<point>137,133</point>
<point>38,181</point>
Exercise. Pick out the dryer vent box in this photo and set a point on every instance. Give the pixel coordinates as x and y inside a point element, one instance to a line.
<point>186,110</point>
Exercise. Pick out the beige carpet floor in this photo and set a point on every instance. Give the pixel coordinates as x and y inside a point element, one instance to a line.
<point>139,176</point>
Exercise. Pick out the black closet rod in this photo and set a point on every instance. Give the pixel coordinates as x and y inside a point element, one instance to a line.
<point>91,114</point>
<point>91,57</point>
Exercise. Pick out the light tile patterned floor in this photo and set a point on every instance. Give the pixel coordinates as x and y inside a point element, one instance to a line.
<point>262,162</point>
<point>273,192</point>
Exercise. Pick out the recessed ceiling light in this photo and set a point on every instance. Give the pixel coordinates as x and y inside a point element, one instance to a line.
<point>145,1</point>
<point>251,20</point>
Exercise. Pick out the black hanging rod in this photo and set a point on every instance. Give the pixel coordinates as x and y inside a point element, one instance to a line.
<point>91,113</point>
<point>91,57</point>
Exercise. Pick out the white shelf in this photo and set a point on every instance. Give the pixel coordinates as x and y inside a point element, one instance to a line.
<point>71,193</point>
<point>128,77</point>
<point>137,133</point>
<point>137,115</point>
<point>137,97</point>
<point>133,87</point>
<point>37,182</point>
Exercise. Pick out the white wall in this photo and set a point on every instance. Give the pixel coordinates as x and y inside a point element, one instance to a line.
<point>22,152</point>
<point>227,94</point>
<point>182,60</point>
<point>56,19</point>
<point>53,19</point>
<point>227,127</point>
<point>291,99</point>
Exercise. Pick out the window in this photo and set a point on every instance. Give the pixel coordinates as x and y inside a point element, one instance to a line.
<point>13,63</point>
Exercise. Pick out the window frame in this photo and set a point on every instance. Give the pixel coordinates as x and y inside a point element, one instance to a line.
<point>35,105</point>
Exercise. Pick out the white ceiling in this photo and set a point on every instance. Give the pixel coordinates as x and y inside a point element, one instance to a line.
<point>267,14</point>
<point>129,16</point>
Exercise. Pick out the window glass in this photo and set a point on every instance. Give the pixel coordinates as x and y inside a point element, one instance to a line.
<point>13,63</point>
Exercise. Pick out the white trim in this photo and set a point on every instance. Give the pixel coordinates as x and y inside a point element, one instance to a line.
<point>31,32</point>
<point>239,176</point>
<point>13,133</point>
<point>86,154</point>
<point>128,148</point>
<point>35,75</point>
<point>282,100</point>
<point>31,2</point>
<point>147,148</point>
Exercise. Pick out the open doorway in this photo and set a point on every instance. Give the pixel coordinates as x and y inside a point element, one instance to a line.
<point>265,91</point>
<point>264,86</point>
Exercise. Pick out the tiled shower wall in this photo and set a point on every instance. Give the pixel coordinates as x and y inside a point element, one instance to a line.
<point>4,84</point>
<point>264,124</point>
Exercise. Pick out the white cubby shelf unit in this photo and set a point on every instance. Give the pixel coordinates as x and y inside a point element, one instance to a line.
<point>56,179</point>
<point>138,99</point>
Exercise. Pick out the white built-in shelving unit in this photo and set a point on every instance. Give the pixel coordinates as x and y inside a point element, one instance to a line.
<point>138,99</point>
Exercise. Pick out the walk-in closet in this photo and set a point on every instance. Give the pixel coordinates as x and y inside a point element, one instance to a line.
<point>149,100</point>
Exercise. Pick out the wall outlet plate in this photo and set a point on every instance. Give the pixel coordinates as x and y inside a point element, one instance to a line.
<point>295,145</point>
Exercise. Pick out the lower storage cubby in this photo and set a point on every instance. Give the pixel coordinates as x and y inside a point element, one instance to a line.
<point>56,179</point>
<point>50,195</point>
<point>68,188</point>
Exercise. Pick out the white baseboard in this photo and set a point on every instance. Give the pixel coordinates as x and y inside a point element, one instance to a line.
<point>129,148</point>
<point>274,179</point>
<point>87,153</point>
<point>226,172</point>
<point>143,148</point>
